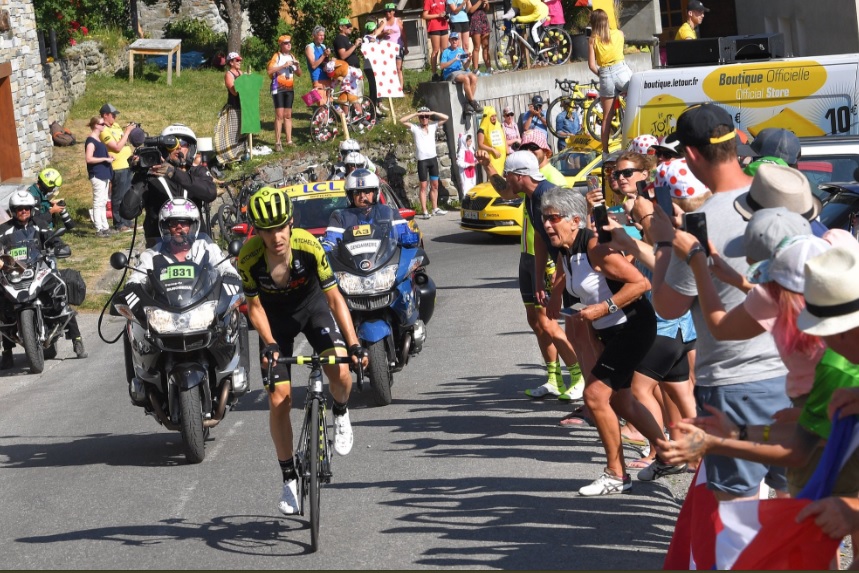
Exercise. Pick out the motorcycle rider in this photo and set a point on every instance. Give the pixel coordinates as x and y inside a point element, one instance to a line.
<point>362,191</point>
<point>181,240</point>
<point>352,162</point>
<point>21,228</point>
<point>44,190</point>
<point>291,289</point>
<point>175,177</point>
<point>341,168</point>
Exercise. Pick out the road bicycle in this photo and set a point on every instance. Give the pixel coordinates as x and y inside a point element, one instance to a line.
<point>313,454</point>
<point>513,44</point>
<point>577,99</point>
<point>325,122</point>
<point>234,208</point>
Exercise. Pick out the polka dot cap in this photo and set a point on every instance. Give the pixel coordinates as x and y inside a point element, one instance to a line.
<point>643,143</point>
<point>677,176</point>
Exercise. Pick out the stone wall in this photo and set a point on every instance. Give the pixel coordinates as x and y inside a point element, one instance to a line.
<point>20,47</point>
<point>153,18</point>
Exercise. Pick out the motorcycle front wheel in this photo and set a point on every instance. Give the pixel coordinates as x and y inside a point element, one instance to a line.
<point>380,372</point>
<point>191,425</point>
<point>30,339</point>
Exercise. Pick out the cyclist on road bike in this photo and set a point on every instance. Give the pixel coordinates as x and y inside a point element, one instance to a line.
<point>529,11</point>
<point>362,190</point>
<point>291,289</point>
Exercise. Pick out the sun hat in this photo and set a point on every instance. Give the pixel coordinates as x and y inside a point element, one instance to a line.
<point>766,229</point>
<point>507,110</point>
<point>536,137</point>
<point>390,6</point>
<point>233,56</point>
<point>696,124</point>
<point>676,175</point>
<point>831,300</point>
<point>778,186</point>
<point>370,26</point>
<point>666,148</point>
<point>523,163</point>
<point>787,265</point>
<point>643,143</point>
<point>453,35</point>
<point>108,108</point>
<point>284,38</point>
<point>344,22</point>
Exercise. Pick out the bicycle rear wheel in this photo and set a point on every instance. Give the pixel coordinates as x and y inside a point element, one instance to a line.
<point>323,124</point>
<point>507,53</point>
<point>316,437</point>
<point>594,117</point>
<point>363,119</point>
<point>559,105</point>
<point>555,45</point>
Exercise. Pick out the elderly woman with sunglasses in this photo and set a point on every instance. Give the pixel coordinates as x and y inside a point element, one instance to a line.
<point>611,291</point>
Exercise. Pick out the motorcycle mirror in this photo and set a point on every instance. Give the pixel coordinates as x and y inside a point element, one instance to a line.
<point>118,261</point>
<point>58,233</point>
<point>235,247</point>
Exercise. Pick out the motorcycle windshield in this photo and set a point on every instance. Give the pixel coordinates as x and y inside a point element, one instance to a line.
<point>367,248</point>
<point>25,251</point>
<point>182,285</point>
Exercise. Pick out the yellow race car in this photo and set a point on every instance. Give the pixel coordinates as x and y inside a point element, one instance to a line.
<point>484,210</point>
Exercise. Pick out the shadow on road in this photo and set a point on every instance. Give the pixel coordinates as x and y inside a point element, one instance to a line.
<point>472,238</point>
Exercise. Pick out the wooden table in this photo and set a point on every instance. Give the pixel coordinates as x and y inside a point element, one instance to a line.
<point>157,48</point>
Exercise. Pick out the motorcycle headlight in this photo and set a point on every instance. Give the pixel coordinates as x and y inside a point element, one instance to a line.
<point>165,322</point>
<point>379,281</point>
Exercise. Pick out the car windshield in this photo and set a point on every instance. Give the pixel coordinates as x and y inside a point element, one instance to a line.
<point>313,213</point>
<point>573,163</point>
<point>825,169</point>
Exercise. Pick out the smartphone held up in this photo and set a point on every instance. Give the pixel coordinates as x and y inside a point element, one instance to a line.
<point>696,224</point>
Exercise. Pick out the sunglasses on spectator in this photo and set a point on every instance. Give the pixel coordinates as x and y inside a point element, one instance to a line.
<point>509,114</point>
<point>552,218</point>
<point>625,173</point>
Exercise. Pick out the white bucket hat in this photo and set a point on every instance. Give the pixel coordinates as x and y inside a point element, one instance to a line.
<point>831,299</point>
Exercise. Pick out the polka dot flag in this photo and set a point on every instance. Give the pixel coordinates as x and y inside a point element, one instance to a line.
<point>383,59</point>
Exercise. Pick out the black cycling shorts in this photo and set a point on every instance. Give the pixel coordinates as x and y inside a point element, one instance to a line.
<point>315,321</point>
<point>626,345</point>
<point>527,279</point>
<point>428,169</point>
<point>667,360</point>
<point>283,99</point>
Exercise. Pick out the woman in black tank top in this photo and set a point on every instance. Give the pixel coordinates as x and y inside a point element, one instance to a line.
<point>616,328</point>
<point>228,142</point>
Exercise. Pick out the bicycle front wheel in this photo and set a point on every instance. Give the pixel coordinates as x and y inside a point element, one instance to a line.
<point>507,53</point>
<point>556,46</point>
<point>316,436</point>
<point>323,124</point>
<point>594,118</point>
<point>363,115</point>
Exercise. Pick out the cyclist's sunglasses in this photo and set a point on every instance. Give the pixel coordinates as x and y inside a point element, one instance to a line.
<point>625,173</point>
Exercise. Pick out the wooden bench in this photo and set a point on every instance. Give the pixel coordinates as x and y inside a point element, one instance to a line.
<point>157,48</point>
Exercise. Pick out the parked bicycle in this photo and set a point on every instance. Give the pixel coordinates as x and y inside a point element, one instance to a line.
<point>513,45</point>
<point>325,121</point>
<point>234,208</point>
<point>313,454</point>
<point>577,99</point>
<point>594,116</point>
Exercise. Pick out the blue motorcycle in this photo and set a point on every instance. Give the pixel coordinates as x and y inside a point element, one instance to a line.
<point>390,297</point>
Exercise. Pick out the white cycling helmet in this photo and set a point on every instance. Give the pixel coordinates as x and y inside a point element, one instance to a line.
<point>22,199</point>
<point>349,146</point>
<point>183,133</point>
<point>178,209</point>
<point>356,159</point>
<point>362,179</point>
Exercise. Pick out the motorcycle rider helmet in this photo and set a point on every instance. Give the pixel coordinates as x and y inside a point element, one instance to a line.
<point>270,208</point>
<point>184,134</point>
<point>362,179</point>
<point>348,146</point>
<point>178,210</point>
<point>21,199</point>
<point>50,181</point>
<point>354,159</point>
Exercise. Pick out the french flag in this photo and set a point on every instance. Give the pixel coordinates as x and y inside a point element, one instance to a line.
<point>761,533</point>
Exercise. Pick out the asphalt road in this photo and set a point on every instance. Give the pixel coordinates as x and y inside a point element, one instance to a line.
<point>461,471</point>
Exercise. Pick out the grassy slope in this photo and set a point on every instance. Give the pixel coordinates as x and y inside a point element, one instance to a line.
<point>194,99</point>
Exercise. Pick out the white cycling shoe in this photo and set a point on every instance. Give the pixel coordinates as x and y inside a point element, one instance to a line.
<point>288,504</point>
<point>343,436</point>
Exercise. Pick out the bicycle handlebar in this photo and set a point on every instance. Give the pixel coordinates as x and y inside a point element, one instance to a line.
<point>313,361</point>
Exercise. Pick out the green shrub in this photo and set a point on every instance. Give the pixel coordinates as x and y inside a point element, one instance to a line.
<point>196,35</point>
<point>307,14</point>
<point>257,50</point>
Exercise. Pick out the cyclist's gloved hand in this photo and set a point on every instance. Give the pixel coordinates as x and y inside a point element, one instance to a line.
<point>358,354</point>
<point>269,350</point>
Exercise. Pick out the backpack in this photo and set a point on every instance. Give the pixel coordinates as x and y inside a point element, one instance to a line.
<point>75,286</point>
<point>62,137</point>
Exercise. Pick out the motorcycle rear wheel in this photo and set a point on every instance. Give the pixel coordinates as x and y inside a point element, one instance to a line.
<point>30,340</point>
<point>380,372</point>
<point>191,425</point>
<point>316,447</point>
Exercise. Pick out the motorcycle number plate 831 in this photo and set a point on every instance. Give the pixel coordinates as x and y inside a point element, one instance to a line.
<point>177,272</point>
<point>361,231</point>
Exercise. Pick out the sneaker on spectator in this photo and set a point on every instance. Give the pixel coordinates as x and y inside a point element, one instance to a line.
<point>288,504</point>
<point>607,484</point>
<point>439,211</point>
<point>659,469</point>
<point>425,215</point>
<point>548,389</point>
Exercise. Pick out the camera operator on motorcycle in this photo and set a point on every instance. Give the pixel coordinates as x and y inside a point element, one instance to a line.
<point>24,228</point>
<point>347,160</point>
<point>291,289</point>
<point>181,240</point>
<point>175,177</point>
<point>44,190</point>
<point>362,191</point>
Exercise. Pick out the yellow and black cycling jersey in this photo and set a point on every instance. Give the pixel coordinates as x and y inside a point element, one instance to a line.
<point>310,273</point>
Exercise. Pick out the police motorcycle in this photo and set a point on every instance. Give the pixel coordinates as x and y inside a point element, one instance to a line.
<point>390,297</point>
<point>186,343</point>
<point>37,299</point>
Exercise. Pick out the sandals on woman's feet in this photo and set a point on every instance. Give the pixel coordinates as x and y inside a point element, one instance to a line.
<point>639,464</point>
<point>278,147</point>
<point>576,419</point>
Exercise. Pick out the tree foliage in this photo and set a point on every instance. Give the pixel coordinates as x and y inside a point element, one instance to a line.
<point>307,14</point>
<point>68,17</point>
